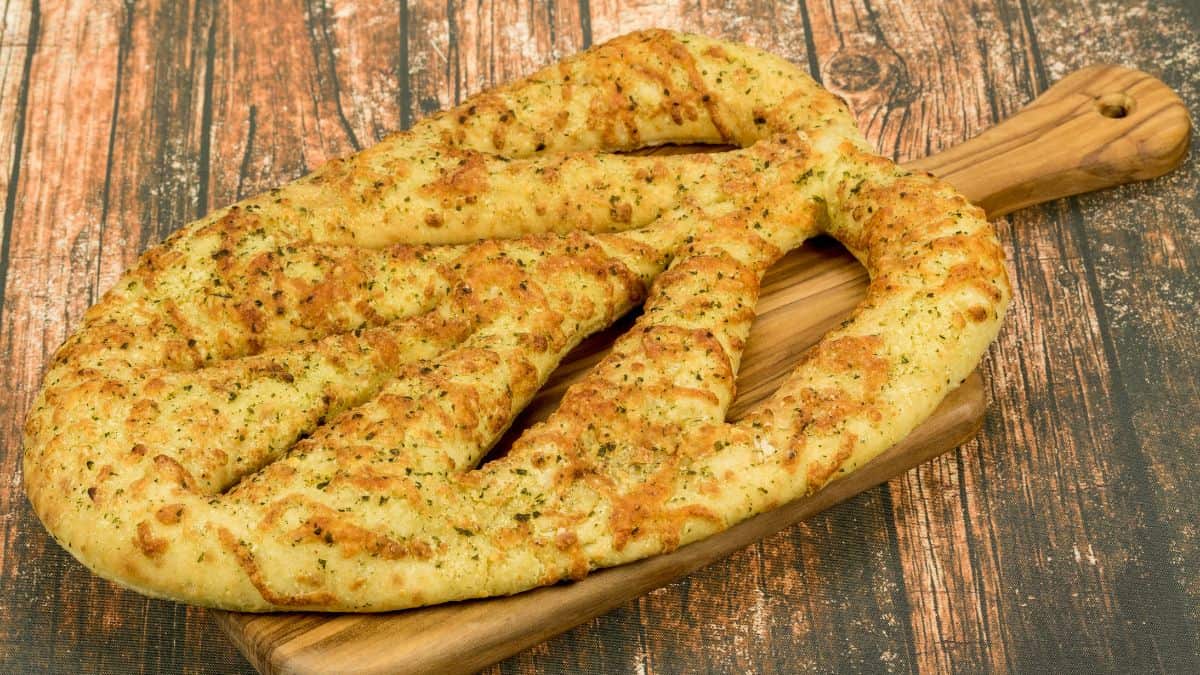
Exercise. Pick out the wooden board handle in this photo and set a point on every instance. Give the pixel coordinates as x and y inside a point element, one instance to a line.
<point>1096,128</point>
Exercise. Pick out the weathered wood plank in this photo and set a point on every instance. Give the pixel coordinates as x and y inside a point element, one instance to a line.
<point>278,105</point>
<point>57,615</point>
<point>458,49</point>
<point>1138,248</point>
<point>155,150</point>
<point>54,222</point>
<point>430,82</point>
<point>359,44</point>
<point>108,168</point>
<point>19,36</point>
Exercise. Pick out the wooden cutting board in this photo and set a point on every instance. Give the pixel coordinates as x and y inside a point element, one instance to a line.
<point>1099,127</point>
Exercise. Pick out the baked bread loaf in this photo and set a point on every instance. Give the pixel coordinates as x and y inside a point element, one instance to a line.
<point>285,404</point>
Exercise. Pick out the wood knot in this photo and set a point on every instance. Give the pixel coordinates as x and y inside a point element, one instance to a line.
<point>868,75</point>
<point>853,72</point>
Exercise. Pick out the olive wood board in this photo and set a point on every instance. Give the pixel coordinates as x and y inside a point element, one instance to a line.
<point>1099,127</point>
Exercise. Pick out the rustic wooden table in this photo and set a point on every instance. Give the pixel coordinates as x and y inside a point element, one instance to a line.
<point>1064,537</point>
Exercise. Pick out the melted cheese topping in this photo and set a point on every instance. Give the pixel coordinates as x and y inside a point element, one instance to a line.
<point>284,404</point>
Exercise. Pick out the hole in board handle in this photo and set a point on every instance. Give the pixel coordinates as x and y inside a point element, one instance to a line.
<point>1114,106</point>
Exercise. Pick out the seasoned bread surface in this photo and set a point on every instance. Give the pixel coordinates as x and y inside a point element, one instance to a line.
<point>285,404</point>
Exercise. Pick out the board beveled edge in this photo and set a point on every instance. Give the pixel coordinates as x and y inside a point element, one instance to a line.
<point>468,636</point>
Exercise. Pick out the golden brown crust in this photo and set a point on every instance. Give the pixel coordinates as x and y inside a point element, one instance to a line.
<point>283,405</point>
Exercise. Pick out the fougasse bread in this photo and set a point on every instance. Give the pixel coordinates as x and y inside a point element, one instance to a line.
<point>285,404</point>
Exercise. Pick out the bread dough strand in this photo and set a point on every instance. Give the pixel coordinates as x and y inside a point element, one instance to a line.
<point>284,405</point>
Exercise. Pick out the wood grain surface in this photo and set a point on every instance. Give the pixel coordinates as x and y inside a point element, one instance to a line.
<point>1063,538</point>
